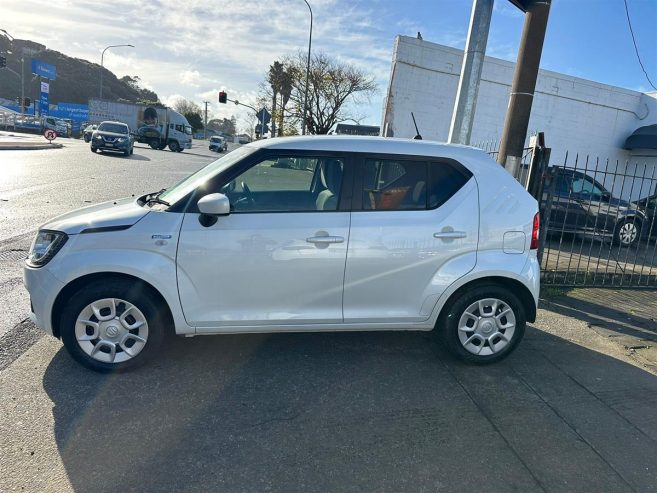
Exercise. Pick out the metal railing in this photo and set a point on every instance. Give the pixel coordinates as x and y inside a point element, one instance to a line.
<point>597,219</point>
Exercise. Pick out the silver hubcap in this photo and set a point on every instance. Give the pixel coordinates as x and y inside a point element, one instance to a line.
<point>487,326</point>
<point>111,330</point>
<point>627,233</point>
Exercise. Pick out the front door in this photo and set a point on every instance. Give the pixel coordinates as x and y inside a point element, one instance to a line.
<point>279,257</point>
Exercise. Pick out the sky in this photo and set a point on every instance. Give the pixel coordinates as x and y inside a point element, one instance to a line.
<point>195,48</point>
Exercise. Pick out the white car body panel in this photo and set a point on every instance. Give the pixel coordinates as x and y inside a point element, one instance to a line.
<point>233,272</point>
<point>396,267</point>
<point>256,272</point>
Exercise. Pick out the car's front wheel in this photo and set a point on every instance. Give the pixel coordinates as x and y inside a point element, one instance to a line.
<point>484,325</point>
<point>112,325</point>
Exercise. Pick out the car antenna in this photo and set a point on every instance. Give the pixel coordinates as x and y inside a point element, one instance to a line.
<point>417,132</point>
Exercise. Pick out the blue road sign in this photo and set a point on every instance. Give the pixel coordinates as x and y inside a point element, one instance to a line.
<point>44,69</point>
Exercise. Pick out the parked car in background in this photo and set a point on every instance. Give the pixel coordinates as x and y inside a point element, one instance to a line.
<point>366,233</point>
<point>112,136</point>
<point>580,204</point>
<point>88,131</point>
<point>649,206</point>
<point>217,144</point>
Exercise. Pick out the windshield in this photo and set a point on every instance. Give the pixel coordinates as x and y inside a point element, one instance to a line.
<point>188,130</point>
<point>116,128</point>
<point>195,180</point>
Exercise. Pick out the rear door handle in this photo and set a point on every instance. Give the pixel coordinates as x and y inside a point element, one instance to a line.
<point>450,235</point>
<point>325,239</point>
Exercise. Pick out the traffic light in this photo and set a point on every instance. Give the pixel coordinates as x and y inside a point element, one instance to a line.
<point>27,102</point>
<point>223,97</point>
<point>3,62</point>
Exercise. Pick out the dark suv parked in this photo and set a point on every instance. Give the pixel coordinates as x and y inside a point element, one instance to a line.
<point>580,204</point>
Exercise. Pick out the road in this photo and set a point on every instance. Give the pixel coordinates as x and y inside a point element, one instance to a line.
<point>569,411</point>
<point>37,185</point>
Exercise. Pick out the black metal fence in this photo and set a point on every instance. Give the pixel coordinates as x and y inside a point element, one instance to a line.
<point>597,219</point>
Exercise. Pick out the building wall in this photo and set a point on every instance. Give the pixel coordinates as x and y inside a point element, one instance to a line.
<point>578,116</point>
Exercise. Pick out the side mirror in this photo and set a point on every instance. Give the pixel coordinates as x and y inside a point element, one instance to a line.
<point>606,196</point>
<point>214,204</point>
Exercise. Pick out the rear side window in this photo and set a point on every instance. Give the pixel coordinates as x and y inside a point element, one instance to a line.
<point>444,181</point>
<point>409,185</point>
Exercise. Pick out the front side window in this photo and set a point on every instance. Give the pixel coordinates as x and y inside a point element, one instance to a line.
<point>288,183</point>
<point>586,186</point>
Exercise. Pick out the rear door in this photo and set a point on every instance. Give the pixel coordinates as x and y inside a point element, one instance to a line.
<point>414,230</point>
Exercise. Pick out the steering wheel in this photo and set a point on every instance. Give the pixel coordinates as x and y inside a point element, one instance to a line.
<point>247,197</point>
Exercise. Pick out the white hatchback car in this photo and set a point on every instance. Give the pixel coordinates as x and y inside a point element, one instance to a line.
<point>297,234</point>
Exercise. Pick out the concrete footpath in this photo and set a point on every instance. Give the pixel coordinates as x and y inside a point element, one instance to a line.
<point>22,141</point>
<point>574,409</point>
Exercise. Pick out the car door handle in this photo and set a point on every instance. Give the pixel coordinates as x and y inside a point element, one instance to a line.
<point>450,235</point>
<point>325,239</point>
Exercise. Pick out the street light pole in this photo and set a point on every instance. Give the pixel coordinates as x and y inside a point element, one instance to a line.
<point>11,38</point>
<point>102,56</point>
<point>305,98</point>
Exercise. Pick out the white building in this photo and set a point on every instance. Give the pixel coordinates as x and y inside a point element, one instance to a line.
<point>577,115</point>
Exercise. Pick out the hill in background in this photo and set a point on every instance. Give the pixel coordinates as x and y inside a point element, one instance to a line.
<point>77,80</point>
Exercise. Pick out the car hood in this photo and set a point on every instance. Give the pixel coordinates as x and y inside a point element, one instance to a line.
<point>112,214</point>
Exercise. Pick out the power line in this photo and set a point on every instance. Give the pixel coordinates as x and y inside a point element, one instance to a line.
<point>629,23</point>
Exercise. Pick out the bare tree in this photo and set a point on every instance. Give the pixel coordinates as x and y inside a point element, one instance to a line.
<point>335,89</point>
<point>185,106</point>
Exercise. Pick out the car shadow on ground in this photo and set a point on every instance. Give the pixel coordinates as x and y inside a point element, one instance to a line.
<point>134,157</point>
<point>356,411</point>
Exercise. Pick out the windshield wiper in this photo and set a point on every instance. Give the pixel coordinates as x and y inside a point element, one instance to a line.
<point>154,198</point>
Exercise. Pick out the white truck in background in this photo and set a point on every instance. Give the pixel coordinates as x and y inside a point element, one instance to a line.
<point>157,126</point>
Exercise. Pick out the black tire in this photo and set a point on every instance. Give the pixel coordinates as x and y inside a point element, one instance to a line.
<point>93,149</point>
<point>154,143</point>
<point>87,139</point>
<point>126,153</point>
<point>132,151</point>
<point>623,235</point>
<point>449,321</point>
<point>140,296</point>
<point>174,146</point>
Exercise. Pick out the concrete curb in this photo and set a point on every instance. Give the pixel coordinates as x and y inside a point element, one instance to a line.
<point>27,146</point>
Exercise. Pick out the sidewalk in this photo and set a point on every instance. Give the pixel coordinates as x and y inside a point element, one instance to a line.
<point>626,319</point>
<point>21,141</point>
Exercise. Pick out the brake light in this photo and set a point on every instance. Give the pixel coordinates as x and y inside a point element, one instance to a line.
<point>535,228</point>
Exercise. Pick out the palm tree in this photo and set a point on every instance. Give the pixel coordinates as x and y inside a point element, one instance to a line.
<point>274,78</point>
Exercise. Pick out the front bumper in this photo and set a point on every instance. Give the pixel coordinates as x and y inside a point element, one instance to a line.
<point>110,146</point>
<point>43,288</point>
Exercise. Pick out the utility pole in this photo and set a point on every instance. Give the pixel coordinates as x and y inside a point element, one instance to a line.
<point>205,126</point>
<point>473,61</point>
<point>516,122</point>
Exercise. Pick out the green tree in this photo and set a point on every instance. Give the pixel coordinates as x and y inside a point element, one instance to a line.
<point>195,120</point>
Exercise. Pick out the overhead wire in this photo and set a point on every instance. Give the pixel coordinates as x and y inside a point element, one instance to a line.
<point>636,49</point>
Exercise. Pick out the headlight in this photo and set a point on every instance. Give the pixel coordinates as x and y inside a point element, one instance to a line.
<point>45,246</point>
<point>121,139</point>
<point>98,137</point>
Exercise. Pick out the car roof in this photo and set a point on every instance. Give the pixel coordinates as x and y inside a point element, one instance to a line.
<point>114,122</point>
<point>375,145</point>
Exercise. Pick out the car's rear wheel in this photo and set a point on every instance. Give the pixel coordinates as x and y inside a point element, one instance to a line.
<point>154,143</point>
<point>484,325</point>
<point>112,325</point>
<point>628,232</point>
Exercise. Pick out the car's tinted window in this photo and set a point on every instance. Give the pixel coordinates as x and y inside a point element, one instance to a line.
<point>585,185</point>
<point>394,185</point>
<point>444,181</point>
<point>409,185</point>
<point>288,183</point>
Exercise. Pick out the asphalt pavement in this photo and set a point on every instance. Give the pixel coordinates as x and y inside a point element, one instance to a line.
<point>570,410</point>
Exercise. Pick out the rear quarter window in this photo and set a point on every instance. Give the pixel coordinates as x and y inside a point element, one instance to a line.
<point>444,181</point>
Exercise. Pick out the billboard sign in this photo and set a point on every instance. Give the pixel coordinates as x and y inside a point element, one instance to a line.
<point>44,69</point>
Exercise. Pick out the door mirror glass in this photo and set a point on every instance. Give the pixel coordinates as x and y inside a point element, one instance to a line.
<point>214,204</point>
